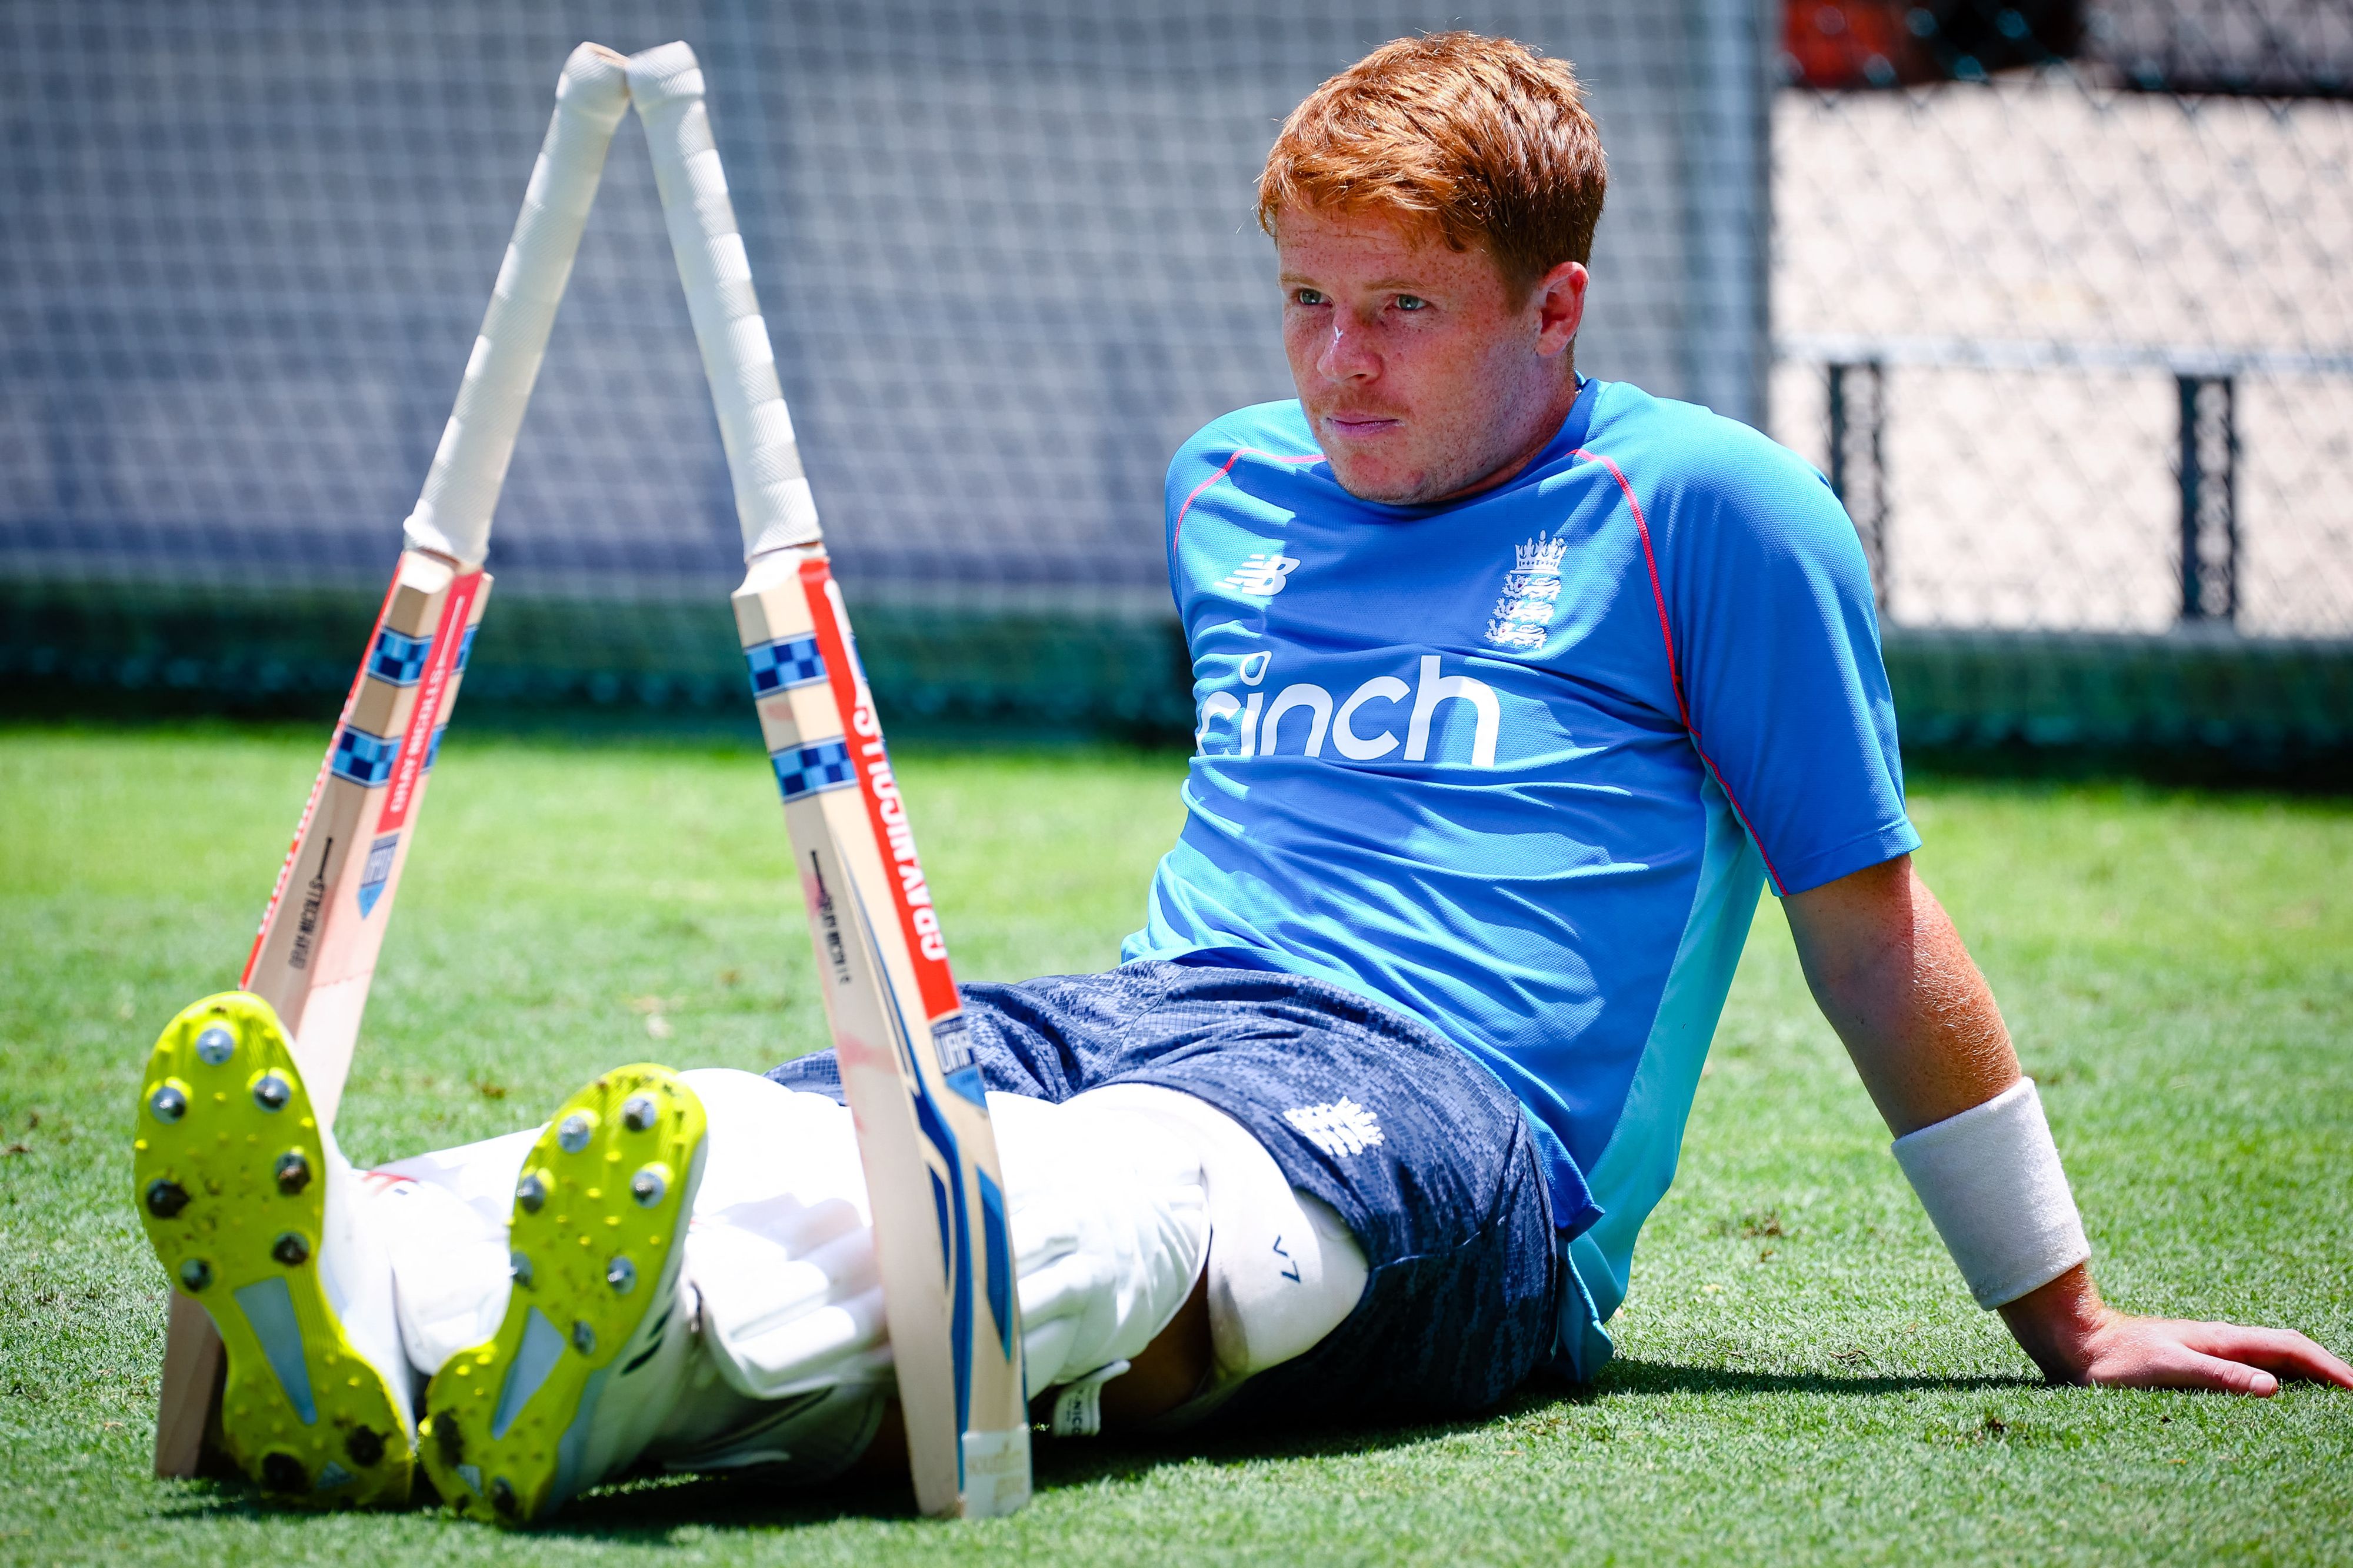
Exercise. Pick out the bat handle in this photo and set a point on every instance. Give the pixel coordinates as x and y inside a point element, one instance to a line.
<point>772,492</point>
<point>453,513</point>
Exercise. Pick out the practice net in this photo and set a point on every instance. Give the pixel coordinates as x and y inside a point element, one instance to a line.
<point>1996,268</point>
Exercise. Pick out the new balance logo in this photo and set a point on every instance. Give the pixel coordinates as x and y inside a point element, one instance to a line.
<point>1341,1129</point>
<point>1261,574</point>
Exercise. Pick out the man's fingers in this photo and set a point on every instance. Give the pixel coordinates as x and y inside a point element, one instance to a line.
<point>2168,1364</point>
<point>2280,1349</point>
<point>2227,1357</point>
<point>2228,1376</point>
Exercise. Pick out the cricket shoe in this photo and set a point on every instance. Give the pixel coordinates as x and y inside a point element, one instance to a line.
<point>585,1366</point>
<point>254,1213</point>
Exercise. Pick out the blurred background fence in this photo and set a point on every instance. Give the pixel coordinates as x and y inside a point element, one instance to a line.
<point>2051,291</point>
<point>2060,303</point>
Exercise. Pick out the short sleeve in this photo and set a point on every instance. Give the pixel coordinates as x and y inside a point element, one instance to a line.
<point>1777,649</point>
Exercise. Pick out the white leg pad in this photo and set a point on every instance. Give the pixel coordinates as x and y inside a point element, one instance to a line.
<point>443,1218</point>
<point>781,1248</point>
<point>479,1176</point>
<point>1110,1227</point>
<point>1283,1268</point>
<point>355,1270</point>
<point>1106,1209</point>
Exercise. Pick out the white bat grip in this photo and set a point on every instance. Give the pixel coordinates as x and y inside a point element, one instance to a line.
<point>771,493</point>
<point>453,513</point>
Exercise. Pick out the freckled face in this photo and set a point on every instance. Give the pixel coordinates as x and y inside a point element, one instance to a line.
<point>1421,378</point>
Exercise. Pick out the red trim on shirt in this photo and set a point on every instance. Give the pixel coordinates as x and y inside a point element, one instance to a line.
<point>1674,674</point>
<point>1177,530</point>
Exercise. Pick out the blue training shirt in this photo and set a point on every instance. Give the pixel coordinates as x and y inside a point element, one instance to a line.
<point>1516,765</point>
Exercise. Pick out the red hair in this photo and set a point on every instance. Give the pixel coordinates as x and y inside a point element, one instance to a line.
<point>1482,140</point>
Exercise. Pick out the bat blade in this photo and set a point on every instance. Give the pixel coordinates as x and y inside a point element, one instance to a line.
<point>315,954</point>
<point>324,925</point>
<point>924,1139</point>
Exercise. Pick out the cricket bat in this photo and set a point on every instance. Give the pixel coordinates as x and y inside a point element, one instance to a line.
<point>316,952</point>
<point>941,1232</point>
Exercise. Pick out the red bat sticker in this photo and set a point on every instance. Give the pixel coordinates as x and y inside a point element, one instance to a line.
<point>449,640</point>
<point>918,920</point>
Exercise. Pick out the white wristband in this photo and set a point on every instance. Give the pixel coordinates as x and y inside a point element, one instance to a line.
<point>1990,1180</point>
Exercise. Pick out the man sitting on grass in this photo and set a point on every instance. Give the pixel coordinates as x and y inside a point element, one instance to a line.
<point>1514,688</point>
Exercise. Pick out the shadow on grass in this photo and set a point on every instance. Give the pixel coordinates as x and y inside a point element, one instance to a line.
<point>647,1508</point>
<point>643,1508</point>
<point>1627,1377</point>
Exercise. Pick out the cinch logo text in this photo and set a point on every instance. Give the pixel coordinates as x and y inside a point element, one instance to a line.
<point>1361,728</point>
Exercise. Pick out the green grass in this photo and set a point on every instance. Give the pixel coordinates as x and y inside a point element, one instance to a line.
<point>1800,1374</point>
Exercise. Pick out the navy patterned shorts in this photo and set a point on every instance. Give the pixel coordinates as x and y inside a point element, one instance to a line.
<point>1422,1150</point>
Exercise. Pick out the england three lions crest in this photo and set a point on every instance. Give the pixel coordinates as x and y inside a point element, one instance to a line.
<point>1531,596</point>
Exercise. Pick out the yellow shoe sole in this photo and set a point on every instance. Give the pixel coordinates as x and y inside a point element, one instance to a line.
<point>598,1235</point>
<point>229,1175</point>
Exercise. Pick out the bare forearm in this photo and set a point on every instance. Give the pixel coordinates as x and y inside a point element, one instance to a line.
<point>1893,979</point>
